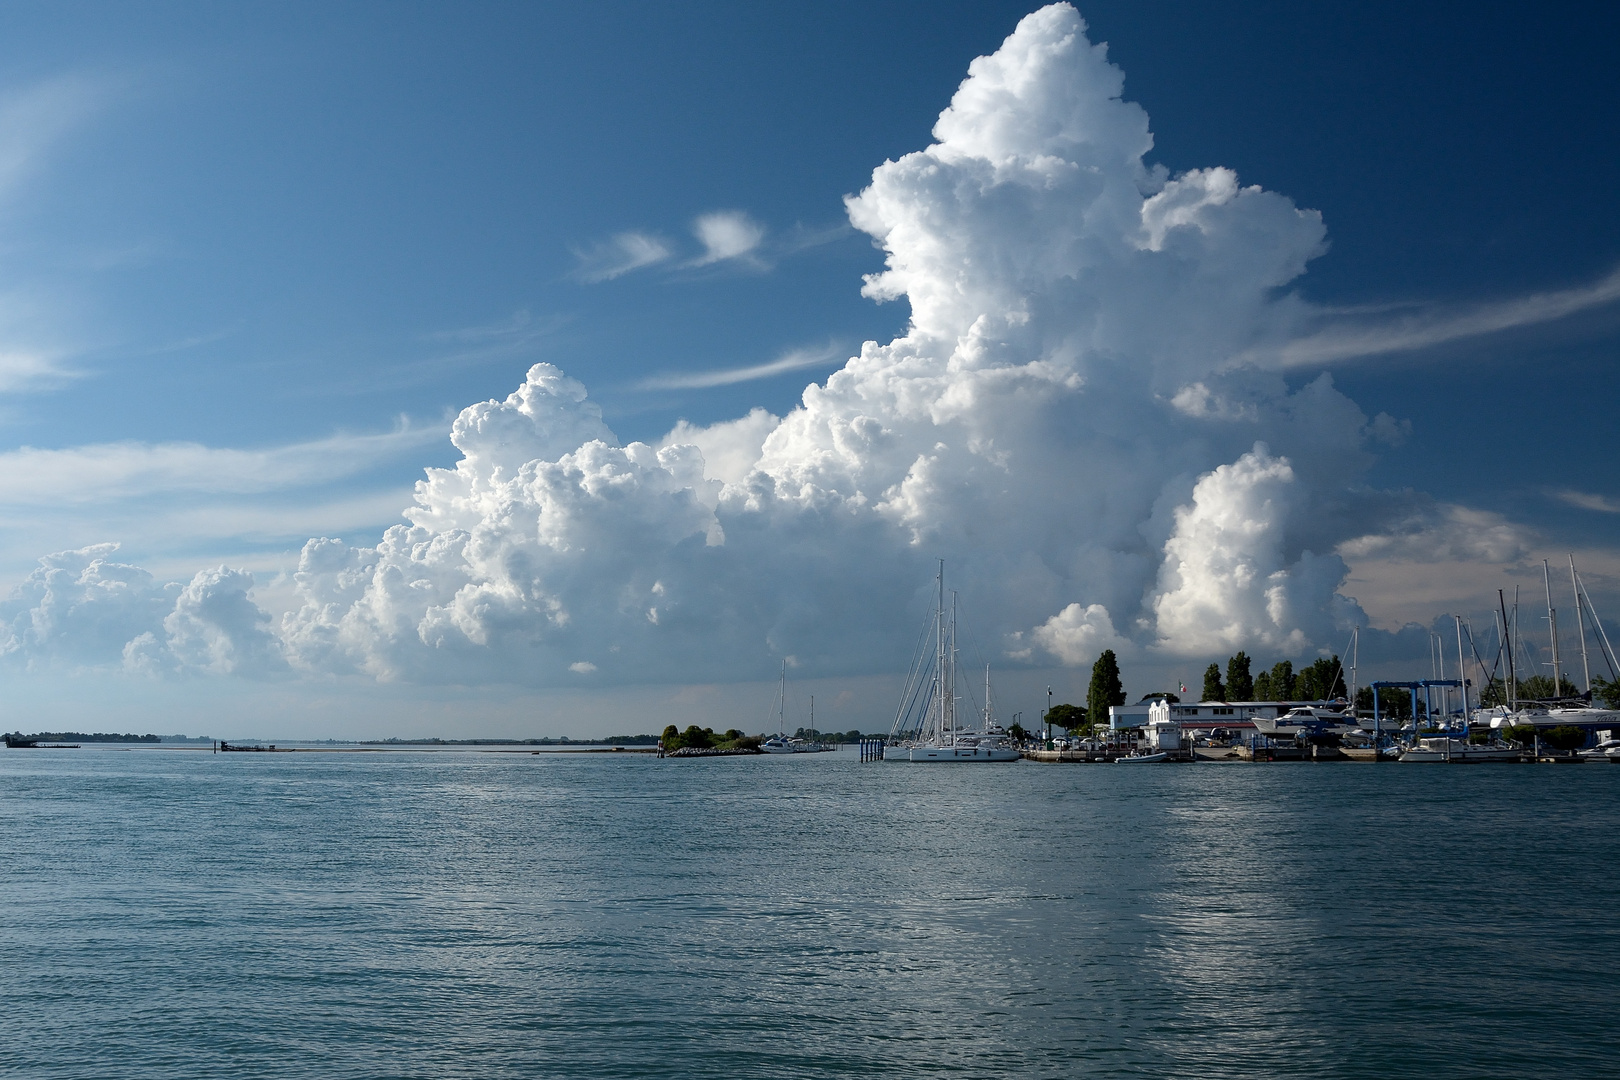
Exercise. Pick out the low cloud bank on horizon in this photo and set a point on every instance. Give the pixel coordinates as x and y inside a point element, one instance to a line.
<point>1086,418</point>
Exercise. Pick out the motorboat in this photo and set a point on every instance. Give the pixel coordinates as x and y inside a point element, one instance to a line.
<point>1608,749</point>
<point>1307,720</point>
<point>1142,759</point>
<point>1446,748</point>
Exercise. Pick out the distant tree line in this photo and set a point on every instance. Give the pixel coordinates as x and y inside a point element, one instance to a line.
<point>82,737</point>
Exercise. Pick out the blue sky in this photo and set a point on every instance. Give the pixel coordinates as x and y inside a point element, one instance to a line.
<point>253,260</point>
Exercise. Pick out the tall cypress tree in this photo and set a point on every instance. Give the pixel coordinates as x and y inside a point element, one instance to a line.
<point>1282,681</point>
<point>1213,689</point>
<point>1239,684</point>
<point>1105,689</point>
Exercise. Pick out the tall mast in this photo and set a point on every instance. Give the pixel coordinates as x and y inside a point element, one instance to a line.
<point>1580,629</point>
<point>1355,649</point>
<point>781,703</point>
<point>1511,695</point>
<point>939,656</point>
<point>1552,626</point>
<point>951,669</point>
<point>1597,624</point>
<point>987,697</point>
<point>1462,672</point>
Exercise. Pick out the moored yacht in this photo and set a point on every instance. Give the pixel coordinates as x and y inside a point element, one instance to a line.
<point>1449,748</point>
<point>940,737</point>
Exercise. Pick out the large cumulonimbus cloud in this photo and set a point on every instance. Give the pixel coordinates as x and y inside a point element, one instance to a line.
<point>1065,422</point>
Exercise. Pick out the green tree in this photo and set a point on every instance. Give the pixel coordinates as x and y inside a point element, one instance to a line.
<point>1239,684</point>
<point>1564,736</point>
<point>1016,731</point>
<point>1105,689</point>
<point>697,737</point>
<point>672,738</point>
<point>1608,690</point>
<point>1214,690</point>
<point>1523,734</point>
<point>1324,679</point>
<point>1263,690</point>
<point>1065,716</point>
<point>1282,681</point>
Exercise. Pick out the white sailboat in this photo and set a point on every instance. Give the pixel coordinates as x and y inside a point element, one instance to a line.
<point>782,742</point>
<point>941,737</point>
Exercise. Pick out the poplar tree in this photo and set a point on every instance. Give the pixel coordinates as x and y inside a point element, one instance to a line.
<point>1239,684</point>
<point>1213,690</point>
<point>1282,681</point>
<point>1105,689</point>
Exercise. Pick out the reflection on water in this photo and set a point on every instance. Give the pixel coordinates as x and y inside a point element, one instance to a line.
<point>614,915</point>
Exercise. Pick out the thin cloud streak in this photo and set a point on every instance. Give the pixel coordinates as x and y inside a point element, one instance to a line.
<point>1347,342</point>
<point>705,380</point>
<point>1588,501</point>
<point>131,470</point>
<point>625,252</point>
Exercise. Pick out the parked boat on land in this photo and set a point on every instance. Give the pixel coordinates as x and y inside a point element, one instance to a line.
<point>1307,720</point>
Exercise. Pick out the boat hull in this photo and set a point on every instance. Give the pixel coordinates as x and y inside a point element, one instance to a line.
<point>1471,755</point>
<point>962,755</point>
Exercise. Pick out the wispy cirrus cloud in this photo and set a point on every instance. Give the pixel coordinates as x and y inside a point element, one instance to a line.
<point>1375,333</point>
<point>622,253</point>
<point>727,235</point>
<point>124,471</point>
<point>1588,501</point>
<point>796,360</point>
<point>35,117</point>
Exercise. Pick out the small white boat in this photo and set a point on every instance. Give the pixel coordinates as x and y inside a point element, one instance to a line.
<point>1602,751</point>
<point>1459,751</point>
<point>1142,759</point>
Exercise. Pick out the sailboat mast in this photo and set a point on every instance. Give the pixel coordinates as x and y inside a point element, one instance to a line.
<point>1355,649</point>
<point>1462,676</point>
<point>1511,695</point>
<point>1580,629</point>
<point>781,703</point>
<point>1597,624</point>
<point>1552,626</point>
<point>939,656</point>
<point>950,697</point>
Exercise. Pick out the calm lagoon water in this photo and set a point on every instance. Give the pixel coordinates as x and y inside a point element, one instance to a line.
<point>182,914</point>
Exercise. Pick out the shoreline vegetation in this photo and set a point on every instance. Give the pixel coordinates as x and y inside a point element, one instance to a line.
<point>17,738</point>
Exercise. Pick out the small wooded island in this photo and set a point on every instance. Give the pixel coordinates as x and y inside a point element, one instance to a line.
<point>703,742</point>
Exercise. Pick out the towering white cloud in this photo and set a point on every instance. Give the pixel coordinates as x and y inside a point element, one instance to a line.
<point>1073,420</point>
<point>1063,384</point>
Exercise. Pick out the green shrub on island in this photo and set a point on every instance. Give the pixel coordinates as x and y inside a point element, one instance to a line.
<point>697,738</point>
